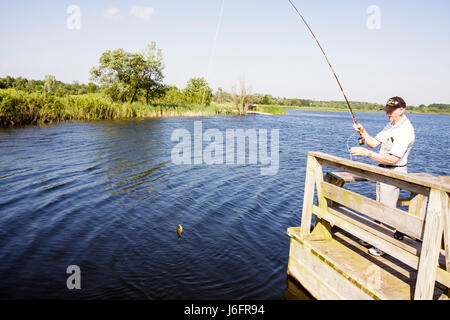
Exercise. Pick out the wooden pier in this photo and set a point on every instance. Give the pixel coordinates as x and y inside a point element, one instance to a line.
<point>326,257</point>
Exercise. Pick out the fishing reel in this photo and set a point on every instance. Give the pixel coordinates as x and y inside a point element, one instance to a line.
<point>361,140</point>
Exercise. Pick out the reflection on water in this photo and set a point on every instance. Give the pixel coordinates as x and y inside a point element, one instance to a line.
<point>106,196</point>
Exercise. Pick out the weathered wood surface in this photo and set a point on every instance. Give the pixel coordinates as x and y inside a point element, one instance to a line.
<point>342,269</point>
<point>425,182</point>
<point>378,239</point>
<point>418,205</point>
<point>344,177</point>
<point>446,237</point>
<point>437,208</point>
<point>376,174</point>
<point>417,202</point>
<point>308,196</point>
<point>394,217</point>
<point>312,259</point>
<point>349,177</point>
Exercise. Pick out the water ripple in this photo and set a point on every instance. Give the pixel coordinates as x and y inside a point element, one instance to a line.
<point>106,196</point>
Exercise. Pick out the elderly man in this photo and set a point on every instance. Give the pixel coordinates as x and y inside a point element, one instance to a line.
<point>396,141</point>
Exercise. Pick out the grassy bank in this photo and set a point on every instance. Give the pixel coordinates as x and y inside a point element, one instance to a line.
<point>262,108</point>
<point>19,108</point>
<point>272,109</point>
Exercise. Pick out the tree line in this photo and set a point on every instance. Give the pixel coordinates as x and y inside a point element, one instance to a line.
<point>48,85</point>
<point>197,91</point>
<point>127,77</point>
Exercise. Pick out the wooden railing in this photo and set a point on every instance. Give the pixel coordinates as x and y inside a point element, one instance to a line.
<point>427,222</point>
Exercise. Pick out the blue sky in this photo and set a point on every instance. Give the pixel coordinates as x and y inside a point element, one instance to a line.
<point>263,42</point>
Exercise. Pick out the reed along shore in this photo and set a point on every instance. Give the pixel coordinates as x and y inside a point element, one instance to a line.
<point>21,108</point>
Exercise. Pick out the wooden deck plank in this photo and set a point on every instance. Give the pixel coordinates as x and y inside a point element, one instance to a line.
<point>385,232</point>
<point>371,280</point>
<point>401,220</point>
<point>376,176</point>
<point>376,239</point>
<point>379,277</point>
<point>374,172</point>
<point>347,176</point>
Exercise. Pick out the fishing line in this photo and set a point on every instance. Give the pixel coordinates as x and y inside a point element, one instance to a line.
<point>213,49</point>
<point>348,148</point>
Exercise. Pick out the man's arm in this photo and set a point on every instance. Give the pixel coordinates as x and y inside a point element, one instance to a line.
<point>388,159</point>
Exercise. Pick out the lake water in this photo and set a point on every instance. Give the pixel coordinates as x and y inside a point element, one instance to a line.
<point>107,197</point>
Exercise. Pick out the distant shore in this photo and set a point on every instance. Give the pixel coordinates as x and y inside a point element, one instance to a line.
<point>408,110</point>
<point>19,107</point>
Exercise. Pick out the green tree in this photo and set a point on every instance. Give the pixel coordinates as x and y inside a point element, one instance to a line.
<point>152,73</point>
<point>50,85</point>
<point>219,96</point>
<point>111,73</point>
<point>267,99</point>
<point>172,95</point>
<point>92,87</point>
<point>198,91</point>
<point>124,74</point>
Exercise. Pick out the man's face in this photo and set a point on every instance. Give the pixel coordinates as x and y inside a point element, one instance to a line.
<point>395,115</point>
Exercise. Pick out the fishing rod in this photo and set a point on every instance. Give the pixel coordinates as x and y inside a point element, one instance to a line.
<point>360,140</point>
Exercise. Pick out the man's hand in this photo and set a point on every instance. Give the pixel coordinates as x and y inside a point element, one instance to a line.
<point>360,151</point>
<point>359,128</point>
<point>368,140</point>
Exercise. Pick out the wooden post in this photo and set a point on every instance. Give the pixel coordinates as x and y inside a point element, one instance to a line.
<point>447,235</point>
<point>428,262</point>
<point>313,180</point>
<point>446,240</point>
<point>308,197</point>
<point>318,176</point>
<point>322,228</point>
<point>418,204</point>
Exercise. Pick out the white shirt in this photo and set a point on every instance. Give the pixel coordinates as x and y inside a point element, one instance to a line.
<point>397,139</point>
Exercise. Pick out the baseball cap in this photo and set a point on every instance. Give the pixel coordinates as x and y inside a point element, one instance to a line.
<point>394,103</point>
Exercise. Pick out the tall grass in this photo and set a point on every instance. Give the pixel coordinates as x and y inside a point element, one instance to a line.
<point>273,109</point>
<point>19,108</point>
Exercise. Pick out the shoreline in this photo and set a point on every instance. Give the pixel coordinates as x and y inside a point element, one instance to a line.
<point>356,110</point>
<point>19,108</point>
<point>185,114</point>
<point>259,112</point>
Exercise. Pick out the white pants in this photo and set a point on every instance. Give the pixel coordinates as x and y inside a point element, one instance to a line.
<point>388,194</point>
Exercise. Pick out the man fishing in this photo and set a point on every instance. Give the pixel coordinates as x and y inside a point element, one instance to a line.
<point>396,141</point>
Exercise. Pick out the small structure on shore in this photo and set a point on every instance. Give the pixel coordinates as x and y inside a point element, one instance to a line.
<point>328,260</point>
<point>252,107</point>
